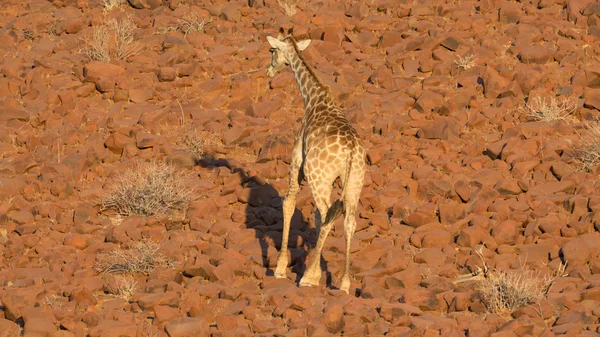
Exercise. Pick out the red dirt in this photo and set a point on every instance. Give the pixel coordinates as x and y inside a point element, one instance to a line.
<point>455,162</point>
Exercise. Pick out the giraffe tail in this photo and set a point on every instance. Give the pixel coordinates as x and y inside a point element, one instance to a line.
<point>334,212</point>
<point>337,208</point>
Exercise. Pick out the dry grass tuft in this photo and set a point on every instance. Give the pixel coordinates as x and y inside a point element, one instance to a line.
<point>190,22</point>
<point>289,6</point>
<point>109,5</point>
<point>550,110</point>
<point>508,291</point>
<point>112,40</point>
<point>466,62</point>
<point>142,257</point>
<point>198,144</point>
<point>587,153</point>
<point>149,188</point>
<point>125,287</point>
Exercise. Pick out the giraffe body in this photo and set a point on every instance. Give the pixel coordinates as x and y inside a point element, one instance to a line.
<point>326,147</point>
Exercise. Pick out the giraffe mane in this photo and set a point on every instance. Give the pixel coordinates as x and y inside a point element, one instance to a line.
<point>310,70</point>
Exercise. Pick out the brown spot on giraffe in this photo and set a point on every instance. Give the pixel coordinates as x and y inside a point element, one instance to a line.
<point>327,147</point>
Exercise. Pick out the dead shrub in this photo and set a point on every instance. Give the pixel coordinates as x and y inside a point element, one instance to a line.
<point>289,6</point>
<point>109,5</point>
<point>142,257</point>
<point>550,110</point>
<point>509,291</point>
<point>149,188</point>
<point>112,40</point>
<point>466,62</point>
<point>190,22</point>
<point>587,152</point>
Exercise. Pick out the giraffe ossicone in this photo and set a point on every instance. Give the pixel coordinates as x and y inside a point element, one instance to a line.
<point>326,147</point>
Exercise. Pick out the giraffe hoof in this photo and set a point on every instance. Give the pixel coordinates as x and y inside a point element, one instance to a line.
<point>308,283</point>
<point>280,275</point>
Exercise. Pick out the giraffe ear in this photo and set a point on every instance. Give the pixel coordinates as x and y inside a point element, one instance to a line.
<point>275,43</point>
<point>303,44</point>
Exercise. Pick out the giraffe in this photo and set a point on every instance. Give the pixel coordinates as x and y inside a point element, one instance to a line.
<point>326,147</point>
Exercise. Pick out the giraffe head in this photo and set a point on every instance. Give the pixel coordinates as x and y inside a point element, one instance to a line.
<point>282,51</point>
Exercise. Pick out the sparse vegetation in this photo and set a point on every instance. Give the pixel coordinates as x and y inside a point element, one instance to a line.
<point>142,257</point>
<point>109,5</point>
<point>149,188</point>
<point>112,40</point>
<point>190,22</point>
<point>506,291</point>
<point>197,144</point>
<point>466,62</point>
<point>52,28</point>
<point>587,152</point>
<point>289,6</point>
<point>29,34</point>
<point>550,110</point>
<point>125,287</point>
<point>509,291</point>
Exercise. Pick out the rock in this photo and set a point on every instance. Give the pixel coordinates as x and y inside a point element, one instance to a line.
<point>536,54</point>
<point>333,318</point>
<point>506,232</point>
<point>40,326</point>
<point>422,298</point>
<point>436,238</point>
<point>95,70</point>
<point>183,327</point>
<point>441,128</point>
<point>493,83</point>
<point>9,328</point>
<point>575,251</point>
<point>429,102</point>
<point>77,240</point>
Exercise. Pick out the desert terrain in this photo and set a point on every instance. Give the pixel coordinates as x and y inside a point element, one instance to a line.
<point>144,155</point>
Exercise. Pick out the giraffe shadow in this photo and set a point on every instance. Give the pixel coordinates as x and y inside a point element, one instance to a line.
<point>264,215</point>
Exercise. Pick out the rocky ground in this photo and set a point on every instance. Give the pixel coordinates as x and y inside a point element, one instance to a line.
<point>477,117</point>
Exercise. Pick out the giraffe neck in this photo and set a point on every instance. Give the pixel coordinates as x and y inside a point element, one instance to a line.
<point>312,90</point>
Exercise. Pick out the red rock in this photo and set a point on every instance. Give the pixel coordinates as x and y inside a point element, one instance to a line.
<point>441,128</point>
<point>94,71</point>
<point>493,83</point>
<point>167,74</point>
<point>116,142</point>
<point>575,251</point>
<point>536,54</point>
<point>429,102</point>
<point>183,327</point>
<point>9,328</point>
<point>40,326</point>
<point>422,298</point>
<point>391,311</point>
<point>21,217</point>
<point>77,240</point>
<point>163,313</point>
<point>470,237</point>
<point>510,13</point>
<point>83,297</point>
<point>506,232</point>
<point>149,301</point>
<point>436,238</point>
<point>333,318</point>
